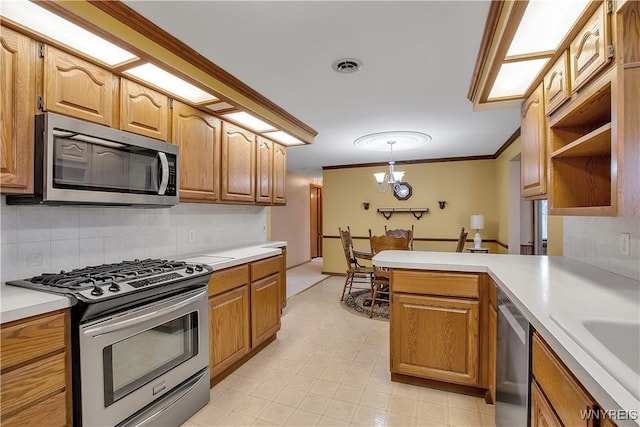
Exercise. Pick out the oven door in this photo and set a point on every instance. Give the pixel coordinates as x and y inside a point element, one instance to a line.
<point>131,359</point>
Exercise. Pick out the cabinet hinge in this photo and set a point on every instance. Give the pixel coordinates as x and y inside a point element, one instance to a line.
<point>40,103</point>
<point>41,50</point>
<point>610,6</point>
<point>611,51</point>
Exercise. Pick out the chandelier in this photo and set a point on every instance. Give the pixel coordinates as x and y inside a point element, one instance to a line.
<point>391,179</point>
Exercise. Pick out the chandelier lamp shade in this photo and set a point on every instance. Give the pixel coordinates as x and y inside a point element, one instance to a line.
<point>477,223</point>
<point>391,179</point>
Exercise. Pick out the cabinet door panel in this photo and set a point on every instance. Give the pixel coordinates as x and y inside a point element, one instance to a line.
<point>228,328</point>
<point>280,174</point>
<point>264,171</point>
<point>556,85</point>
<point>589,53</point>
<point>238,164</point>
<point>198,136</point>
<point>534,151</point>
<point>265,309</point>
<point>17,107</point>
<point>77,88</point>
<point>542,414</point>
<point>435,338</point>
<point>143,111</point>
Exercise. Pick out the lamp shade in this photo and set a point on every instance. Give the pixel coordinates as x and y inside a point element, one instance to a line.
<point>379,177</point>
<point>477,222</point>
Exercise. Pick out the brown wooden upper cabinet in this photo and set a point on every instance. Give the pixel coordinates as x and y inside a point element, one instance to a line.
<point>18,63</point>
<point>143,111</point>
<point>77,88</point>
<point>238,164</point>
<point>556,85</point>
<point>280,174</point>
<point>534,152</point>
<point>589,50</point>
<point>198,136</point>
<point>264,170</point>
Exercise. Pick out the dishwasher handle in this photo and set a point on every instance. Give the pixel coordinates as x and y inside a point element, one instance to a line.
<point>504,312</point>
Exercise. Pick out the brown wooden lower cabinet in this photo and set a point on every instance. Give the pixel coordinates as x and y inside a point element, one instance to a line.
<point>244,312</point>
<point>228,328</point>
<point>35,366</point>
<point>542,414</point>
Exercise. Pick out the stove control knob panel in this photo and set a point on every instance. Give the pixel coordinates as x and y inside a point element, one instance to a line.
<point>96,291</point>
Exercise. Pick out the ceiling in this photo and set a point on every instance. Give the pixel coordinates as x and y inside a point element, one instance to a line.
<point>418,58</point>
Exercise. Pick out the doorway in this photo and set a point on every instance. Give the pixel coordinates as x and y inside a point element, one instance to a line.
<point>315,193</point>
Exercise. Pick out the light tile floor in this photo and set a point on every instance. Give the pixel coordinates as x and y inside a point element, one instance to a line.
<point>329,367</point>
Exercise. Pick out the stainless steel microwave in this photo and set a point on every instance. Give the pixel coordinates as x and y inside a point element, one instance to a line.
<point>78,162</point>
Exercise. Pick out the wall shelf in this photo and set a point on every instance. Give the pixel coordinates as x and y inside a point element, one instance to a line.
<point>417,212</point>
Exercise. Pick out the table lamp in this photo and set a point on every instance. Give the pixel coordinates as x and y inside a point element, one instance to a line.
<point>477,222</point>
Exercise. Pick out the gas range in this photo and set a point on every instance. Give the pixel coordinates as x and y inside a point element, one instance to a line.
<point>107,285</point>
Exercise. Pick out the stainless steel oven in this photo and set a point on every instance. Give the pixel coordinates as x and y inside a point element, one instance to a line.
<point>130,359</point>
<point>140,340</point>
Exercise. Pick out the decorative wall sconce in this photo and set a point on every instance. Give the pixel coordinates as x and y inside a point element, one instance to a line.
<point>441,203</point>
<point>365,205</point>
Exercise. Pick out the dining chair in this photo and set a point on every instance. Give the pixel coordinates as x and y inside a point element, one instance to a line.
<point>462,240</point>
<point>380,282</point>
<point>400,232</point>
<point>356,272</point>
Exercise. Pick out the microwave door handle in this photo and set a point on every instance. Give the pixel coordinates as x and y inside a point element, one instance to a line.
<point>164,180</point>
<point>125,323</point>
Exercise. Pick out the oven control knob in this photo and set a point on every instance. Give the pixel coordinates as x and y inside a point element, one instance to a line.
<point>189,269</point>
<point>114,287</point>
<point>96,291</point>
<point>199,267</point>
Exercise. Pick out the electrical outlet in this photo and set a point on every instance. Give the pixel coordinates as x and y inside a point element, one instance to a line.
<point>34,260</point>
<point>624,243</point>
<point>192,236</point>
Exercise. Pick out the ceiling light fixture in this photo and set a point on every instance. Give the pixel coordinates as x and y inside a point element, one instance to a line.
<point>52,26</point>
<point>283,138</point>
<point>399,141</point>
<point>250,121</point>
<point>167,81</point>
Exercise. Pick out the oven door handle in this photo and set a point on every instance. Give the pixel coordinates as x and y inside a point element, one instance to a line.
<point>125,323</point>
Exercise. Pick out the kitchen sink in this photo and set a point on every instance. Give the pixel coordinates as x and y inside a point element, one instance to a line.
<point>613,344</point>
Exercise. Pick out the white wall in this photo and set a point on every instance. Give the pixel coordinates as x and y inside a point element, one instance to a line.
<point>596,241</point>
<point>39,239</point>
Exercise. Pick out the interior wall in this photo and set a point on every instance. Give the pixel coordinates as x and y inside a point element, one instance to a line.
<point>292,222</point>
<point>505,194</point>
<point>468,187</point>
<point>596,241</point>
<point>43,239</point>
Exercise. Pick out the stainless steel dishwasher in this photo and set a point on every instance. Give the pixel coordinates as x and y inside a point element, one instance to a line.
<point>512,365</point>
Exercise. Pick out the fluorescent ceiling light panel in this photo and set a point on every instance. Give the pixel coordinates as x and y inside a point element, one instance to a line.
<point>167,81</point>
<point>283,138</point>
<point>54,27</point>
<point>249,121</point>
<point>514,78</point>
<point>544,24</point>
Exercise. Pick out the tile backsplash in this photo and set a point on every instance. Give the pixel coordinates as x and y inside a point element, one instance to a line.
<point>38,239</point>
<point>596,241</point>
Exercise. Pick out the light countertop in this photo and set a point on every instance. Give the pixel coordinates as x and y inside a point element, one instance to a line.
<point>18,303</point>
<point>556,294</point>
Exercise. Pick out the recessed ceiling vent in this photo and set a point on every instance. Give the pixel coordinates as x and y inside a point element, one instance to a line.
<point>346,65</point>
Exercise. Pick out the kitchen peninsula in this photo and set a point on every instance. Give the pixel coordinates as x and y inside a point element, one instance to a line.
<point>559,297</point>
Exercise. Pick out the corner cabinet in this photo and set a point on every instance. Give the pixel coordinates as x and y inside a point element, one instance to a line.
<point>238,164</point>
<point>534,152</point>
<point>18,88</point>
<point>198,136</point>
<point>36,371</point>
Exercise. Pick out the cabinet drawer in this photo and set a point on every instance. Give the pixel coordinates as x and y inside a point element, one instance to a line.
<point>556,84</point>
<point>50,412</point>
<point>25,340</point>
<point>228,278</point>
<point>265,267</point>
<point>564,392</point>
<point>435,283</point>
<point>589,50</point>
<point>23,386</point>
